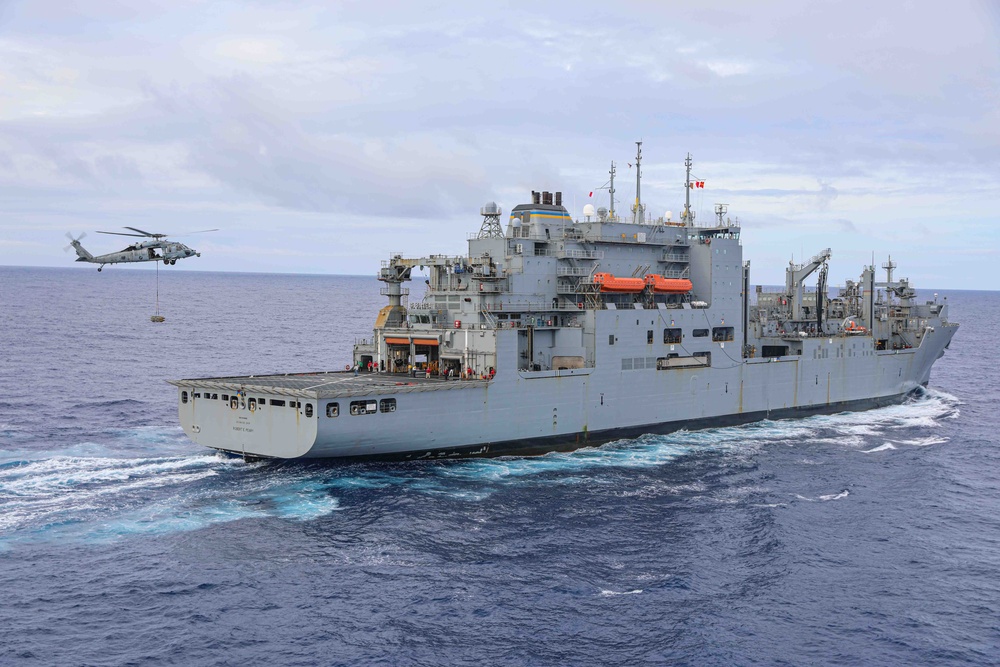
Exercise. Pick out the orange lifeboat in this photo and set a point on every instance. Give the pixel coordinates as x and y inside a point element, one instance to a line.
<point>610,283</point>
<point>661,285</point>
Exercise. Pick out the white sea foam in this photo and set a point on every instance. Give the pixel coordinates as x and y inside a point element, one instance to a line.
<point>880,448</point>
<point>73,495</point>
<point>610,593</point>
<point>924,442</point>
<point>824,498</point>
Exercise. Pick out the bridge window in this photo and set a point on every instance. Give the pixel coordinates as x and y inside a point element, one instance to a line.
<point>672,336</point>
<point>294,404</point>
<point>611,339</point>
<point>277,402</point>
<point>333,410</point>
<point>225,397</point>
<point>700,333</point>
<point>252,404</point>
<point>387,405</point>
<point>184,397</point>
<point>649,336</point>
<point>309,410</point>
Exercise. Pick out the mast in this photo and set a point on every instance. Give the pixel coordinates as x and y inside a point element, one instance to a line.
<point>612,189</point>
<point>637,215</point>
<point>686,216</point>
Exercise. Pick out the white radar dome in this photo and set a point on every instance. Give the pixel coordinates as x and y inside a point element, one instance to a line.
<point>668,215</point>
<point>516,222</point>
<point>588,210</point>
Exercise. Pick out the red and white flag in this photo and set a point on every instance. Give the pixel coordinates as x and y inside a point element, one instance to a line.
<point>697,184</point>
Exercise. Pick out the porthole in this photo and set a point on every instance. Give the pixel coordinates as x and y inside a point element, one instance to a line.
<point>309,410</point>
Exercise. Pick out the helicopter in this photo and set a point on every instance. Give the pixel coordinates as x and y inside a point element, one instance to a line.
<point>156,249</point>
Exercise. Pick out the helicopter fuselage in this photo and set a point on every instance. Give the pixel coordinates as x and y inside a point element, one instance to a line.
<point>149,251</point>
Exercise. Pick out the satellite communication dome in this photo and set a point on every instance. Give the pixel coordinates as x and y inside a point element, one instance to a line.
<point>516,222</point>
<point>588,210</point>
<point>668,215</point>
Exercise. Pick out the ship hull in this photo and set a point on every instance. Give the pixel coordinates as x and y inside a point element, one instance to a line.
<point>535,412</point>
<point>573,441</point>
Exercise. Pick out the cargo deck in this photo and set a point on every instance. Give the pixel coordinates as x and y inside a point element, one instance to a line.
<point>329,384</point>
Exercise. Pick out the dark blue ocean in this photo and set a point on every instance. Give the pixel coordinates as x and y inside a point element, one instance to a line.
<point>854,539</point>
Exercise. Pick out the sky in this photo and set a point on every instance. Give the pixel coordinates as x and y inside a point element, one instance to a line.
<point>322,137</point>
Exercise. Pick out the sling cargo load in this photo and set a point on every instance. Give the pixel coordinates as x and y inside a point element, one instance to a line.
<point>554,334</point>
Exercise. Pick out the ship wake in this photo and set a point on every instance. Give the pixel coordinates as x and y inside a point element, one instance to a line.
<point>104,498</point>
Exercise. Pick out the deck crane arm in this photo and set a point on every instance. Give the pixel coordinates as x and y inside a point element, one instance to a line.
<point>795,276</point>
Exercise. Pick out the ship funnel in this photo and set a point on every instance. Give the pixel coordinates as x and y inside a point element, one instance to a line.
<point>536,197</point>
<point>546,198</point>
<point>558,199</point>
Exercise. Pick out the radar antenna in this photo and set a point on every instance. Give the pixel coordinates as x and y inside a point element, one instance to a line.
<point>889,266</point>
<point>720,213</point>
<point>491,221</point>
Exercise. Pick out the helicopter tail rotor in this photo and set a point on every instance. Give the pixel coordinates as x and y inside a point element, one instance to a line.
<point>73,241</point>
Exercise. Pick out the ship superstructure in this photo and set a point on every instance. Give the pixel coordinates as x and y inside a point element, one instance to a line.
<point>555,333</point>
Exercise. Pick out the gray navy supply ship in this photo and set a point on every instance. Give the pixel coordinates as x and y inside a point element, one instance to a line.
<point>554,334</point>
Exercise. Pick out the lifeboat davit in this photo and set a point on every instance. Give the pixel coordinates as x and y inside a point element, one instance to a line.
<point>661,285</point>
<point>610,283</point>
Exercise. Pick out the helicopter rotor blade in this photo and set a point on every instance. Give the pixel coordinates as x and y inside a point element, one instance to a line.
<point>201,231</point>
<point>135,229</point>
<point>124,234</point>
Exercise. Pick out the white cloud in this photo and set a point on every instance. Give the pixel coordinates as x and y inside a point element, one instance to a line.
<point>332,120</point>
